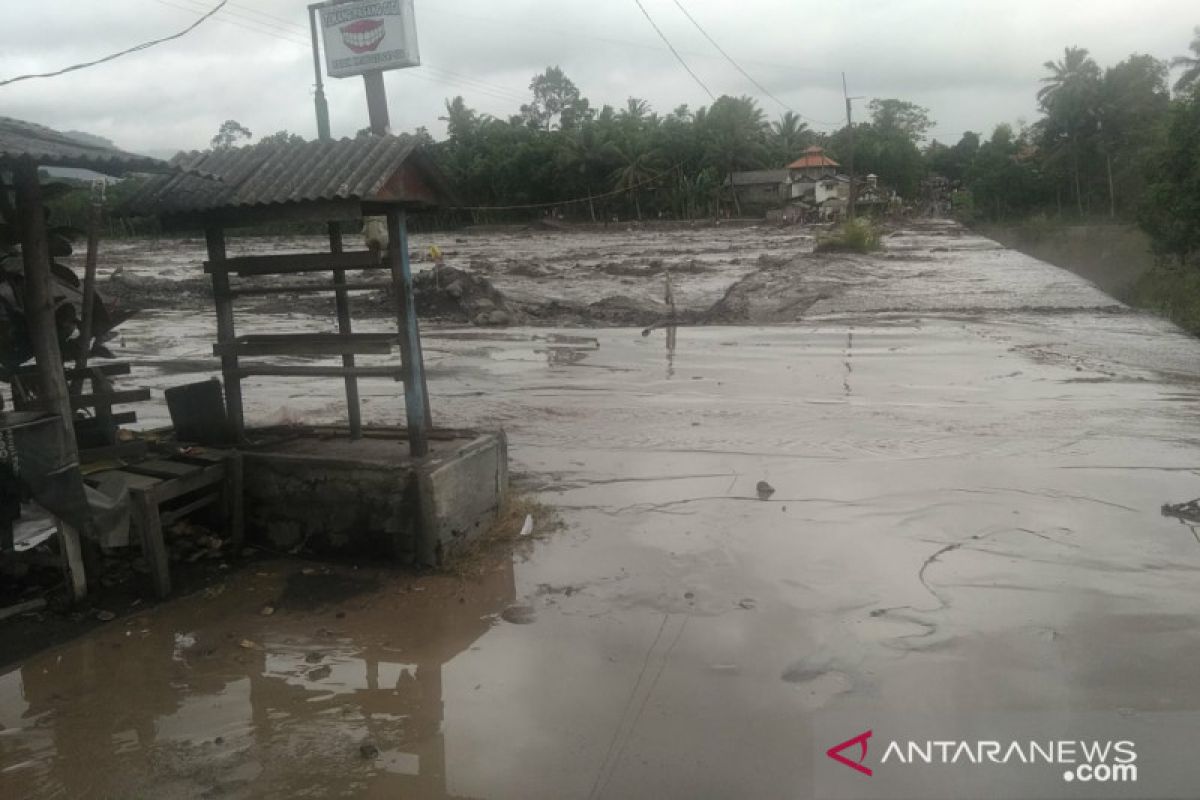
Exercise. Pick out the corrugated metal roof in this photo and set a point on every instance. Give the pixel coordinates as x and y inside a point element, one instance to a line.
<point>27,142</point>
<point>813,157</point>
<point>293,172</point>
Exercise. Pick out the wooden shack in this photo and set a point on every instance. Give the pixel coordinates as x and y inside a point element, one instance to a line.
<point>49,462</point>
<point>319,181</point>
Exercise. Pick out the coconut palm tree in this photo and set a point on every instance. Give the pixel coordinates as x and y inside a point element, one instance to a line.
<point>638,165</point>
<point>789,134</point>
<point>1190,79</point>
<point>1069,99</point>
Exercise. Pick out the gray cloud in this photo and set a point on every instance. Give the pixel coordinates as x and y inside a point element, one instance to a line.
<point>973,64</point>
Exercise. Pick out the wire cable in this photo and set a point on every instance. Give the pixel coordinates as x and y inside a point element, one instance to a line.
<point>747,75</point>
<point>114,56</point>
<point>675,52</point>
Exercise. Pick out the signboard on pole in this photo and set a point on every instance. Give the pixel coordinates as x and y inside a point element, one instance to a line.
<point>368,35</point>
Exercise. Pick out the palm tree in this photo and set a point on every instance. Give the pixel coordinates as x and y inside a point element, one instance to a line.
<point>790,134</point>
<point>734,133</point>
<point>1190,78</point>
<point>1069,100</point>
<point>639,165</point>
<point>583,152</point>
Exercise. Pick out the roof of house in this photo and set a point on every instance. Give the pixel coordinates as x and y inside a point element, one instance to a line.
<point>760,176</point>
<point>813,157</point>
<point>374,169</point>
<point>29,143</point>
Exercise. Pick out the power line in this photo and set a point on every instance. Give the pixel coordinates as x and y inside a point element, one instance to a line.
<point>231,17</point>
<point>114,56</point>
<point>748,76</point>
<point>675,52</point>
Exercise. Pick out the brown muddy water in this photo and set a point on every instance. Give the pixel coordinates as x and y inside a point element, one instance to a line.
<point>968,450</point>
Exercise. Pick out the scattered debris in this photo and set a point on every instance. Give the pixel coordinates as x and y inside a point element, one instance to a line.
<point>527,528</point>
<point>519,615</point>
<point>1185,512</point>
<point>367,751</point>
<point>28,606</point>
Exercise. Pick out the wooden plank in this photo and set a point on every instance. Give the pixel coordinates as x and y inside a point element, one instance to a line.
<point>208,476</point>
<point>110,398</point>
<point>293,263</point>
<point>110,368</point>
<point>163,468</point>
<point>308,344</point>
<point>234,492</point>
<point>124,451</point>
<point>145,509</point>
<point>342,304</point>
<point>310,288</point>
<point>43,335</point>
<point>133,480</point>
<point>322,211</point>
<point>415,396</point>
<point>214,238</point>
<point>36,604</point>
<point>278,371</point>
<point>169,518</point>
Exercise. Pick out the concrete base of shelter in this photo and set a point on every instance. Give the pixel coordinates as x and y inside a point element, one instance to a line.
<point>316,489</point>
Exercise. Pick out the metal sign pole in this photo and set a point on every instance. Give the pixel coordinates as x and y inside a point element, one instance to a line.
<point>377,105</point>
<point>319,99</point>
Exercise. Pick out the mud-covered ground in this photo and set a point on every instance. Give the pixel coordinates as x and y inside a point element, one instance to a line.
<point>573,277</point>
<point>968,451</point>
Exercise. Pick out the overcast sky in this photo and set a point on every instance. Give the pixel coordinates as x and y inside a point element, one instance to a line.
<point>973,63</point>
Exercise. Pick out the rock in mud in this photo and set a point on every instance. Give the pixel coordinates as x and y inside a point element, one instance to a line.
<point>519,615</point>
<point>457,295</point>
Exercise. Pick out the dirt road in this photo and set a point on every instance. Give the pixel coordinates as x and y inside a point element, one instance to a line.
<point>968,450</point>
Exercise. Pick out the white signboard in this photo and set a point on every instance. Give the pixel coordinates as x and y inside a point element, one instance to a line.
<point>369,34</point>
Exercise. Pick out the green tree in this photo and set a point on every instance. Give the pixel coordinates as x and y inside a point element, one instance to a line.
<point>229,134</point>
<point>789,136</point>
<point>1131,111</point>
<point>901,116</point>
<point>556,101</point>
<point>734,135</point>
<point>1170,212</point>
<point>1069,99</point>
<point>1190,65</point>
<point>281,137</point>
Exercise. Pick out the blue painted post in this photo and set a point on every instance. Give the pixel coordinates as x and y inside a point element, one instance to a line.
<point>416,397</point>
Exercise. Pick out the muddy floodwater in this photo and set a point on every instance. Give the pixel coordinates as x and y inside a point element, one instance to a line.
<point>965,453</point>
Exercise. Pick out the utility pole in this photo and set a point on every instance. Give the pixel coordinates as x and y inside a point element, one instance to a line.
<point>850,160</point>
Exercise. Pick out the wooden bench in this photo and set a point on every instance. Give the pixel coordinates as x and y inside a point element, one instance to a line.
<point>166,489</point>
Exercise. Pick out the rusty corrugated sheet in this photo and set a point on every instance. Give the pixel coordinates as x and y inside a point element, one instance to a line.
<point>28,142</point>
<point>285,173</point>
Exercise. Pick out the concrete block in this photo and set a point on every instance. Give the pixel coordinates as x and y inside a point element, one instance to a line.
<point>460,494</point>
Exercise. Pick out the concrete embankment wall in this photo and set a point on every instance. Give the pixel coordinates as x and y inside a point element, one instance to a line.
<point>1111,256</point>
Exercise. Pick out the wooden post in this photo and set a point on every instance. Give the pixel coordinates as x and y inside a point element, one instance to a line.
<point>89,282</point>
<point>214,237</point>
<point>416,401</point>
<point>416,326</point>
<point>43,333</point>
<point>342,298</point>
